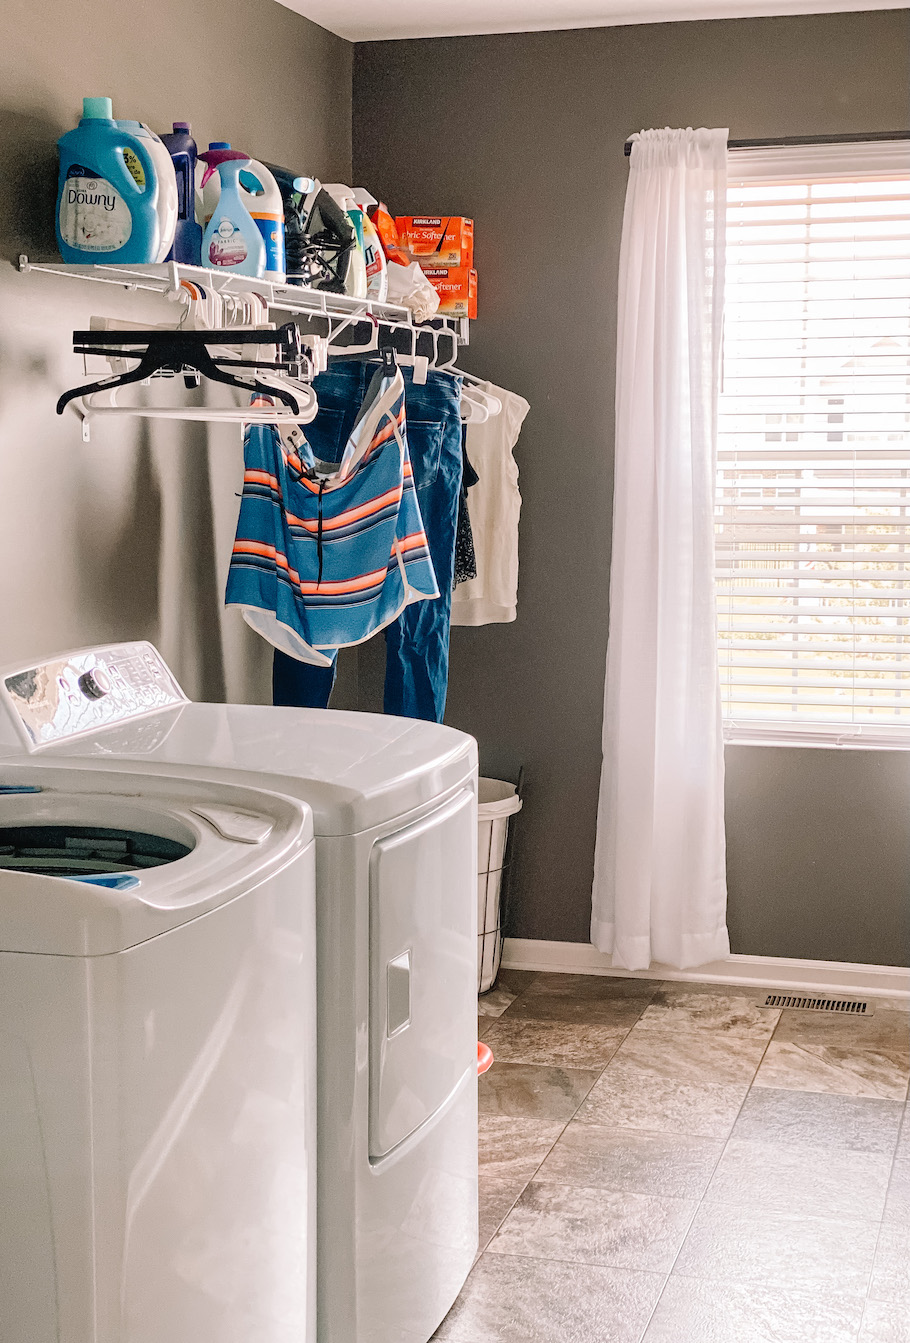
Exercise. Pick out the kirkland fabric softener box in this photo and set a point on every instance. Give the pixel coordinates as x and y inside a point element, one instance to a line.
<point>456,287</point>
<point>438,240</point>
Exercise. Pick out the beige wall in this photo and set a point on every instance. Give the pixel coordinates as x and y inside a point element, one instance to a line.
<point>128,537</point>
<point>525,133</point>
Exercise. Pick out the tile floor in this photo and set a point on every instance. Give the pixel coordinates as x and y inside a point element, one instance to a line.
<point>676,1163</point>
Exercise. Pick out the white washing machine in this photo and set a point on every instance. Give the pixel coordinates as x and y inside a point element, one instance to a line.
<point>394,808</point>
<point>157,1057</point>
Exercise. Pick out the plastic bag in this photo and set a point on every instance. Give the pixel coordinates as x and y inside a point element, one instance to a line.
<point>408,285</point>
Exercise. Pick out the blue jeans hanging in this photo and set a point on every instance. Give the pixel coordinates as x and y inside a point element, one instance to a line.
<point>417,643</point>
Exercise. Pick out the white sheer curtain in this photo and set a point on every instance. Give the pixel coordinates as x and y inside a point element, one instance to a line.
<point>659,876</point>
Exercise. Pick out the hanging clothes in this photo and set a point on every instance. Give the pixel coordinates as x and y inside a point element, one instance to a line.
<point>492,597</point>
<point>465,558</point>
<point>417,642</point>
<point>326,554</point>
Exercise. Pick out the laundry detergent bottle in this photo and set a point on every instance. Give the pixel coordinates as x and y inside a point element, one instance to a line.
<point>262,196</point>
<point>232,240</point>
<point>374,256</point>
<point>356,281</point>
<point>107,199</point>
<point>179,143</point>
<point>167,183</point>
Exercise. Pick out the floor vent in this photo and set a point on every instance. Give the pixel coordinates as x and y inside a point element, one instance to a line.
<point>848,1005</point>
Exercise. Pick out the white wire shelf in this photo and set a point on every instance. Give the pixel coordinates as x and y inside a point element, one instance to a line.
<point>286,298</point>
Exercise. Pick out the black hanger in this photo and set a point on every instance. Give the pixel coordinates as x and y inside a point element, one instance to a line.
<point>186,352</point>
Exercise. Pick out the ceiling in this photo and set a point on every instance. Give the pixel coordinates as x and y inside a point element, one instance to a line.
<point>371,20</point>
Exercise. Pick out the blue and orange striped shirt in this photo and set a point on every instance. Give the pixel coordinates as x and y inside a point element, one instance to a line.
<point>327,555</point>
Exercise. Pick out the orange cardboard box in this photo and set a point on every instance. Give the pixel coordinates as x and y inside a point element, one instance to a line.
<point>439,240</point>
<point>456,287</point>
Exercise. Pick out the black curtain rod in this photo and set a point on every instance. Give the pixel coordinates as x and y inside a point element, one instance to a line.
<point>784,140</point>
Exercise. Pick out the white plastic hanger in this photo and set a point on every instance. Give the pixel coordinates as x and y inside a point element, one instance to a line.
<point>103,405</point>
<point>473,412</point>
<point>476,389</point>
<point>419,362</point>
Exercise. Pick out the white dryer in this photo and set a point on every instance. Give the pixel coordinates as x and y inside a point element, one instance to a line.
<point>157,1058</point>
<point>394,808</point>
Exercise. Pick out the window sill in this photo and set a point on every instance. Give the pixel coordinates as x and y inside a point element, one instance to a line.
<point>826,736</point>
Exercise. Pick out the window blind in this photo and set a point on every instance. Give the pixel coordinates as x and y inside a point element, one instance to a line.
<point>813,479</point>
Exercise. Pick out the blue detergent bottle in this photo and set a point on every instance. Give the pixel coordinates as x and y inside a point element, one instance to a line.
<point>232,240</point>
<point>181,146</point>
<point>107,200</point>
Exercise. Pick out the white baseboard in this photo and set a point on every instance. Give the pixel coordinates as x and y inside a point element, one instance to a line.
<point>773,972</point>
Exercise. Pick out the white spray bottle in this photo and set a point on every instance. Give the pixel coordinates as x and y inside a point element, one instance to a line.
<point>374,256</point>
<point>356,283</point>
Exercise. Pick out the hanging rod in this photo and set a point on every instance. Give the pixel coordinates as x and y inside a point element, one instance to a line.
<point>782,141</point>
<point>299,301</point>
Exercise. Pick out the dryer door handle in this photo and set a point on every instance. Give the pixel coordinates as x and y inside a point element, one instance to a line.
<point>398,990</point>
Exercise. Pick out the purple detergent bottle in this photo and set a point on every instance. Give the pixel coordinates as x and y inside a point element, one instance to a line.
<point>181,146</point>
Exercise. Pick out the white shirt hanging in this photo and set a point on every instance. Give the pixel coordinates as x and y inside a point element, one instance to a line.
<point>494,504</point>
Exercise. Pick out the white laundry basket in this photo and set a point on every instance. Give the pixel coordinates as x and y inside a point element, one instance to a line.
<point>496,802</point>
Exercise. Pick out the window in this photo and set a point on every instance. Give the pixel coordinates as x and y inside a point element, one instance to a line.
<point>813,492</point>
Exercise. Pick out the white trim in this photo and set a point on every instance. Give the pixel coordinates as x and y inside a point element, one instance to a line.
<point>803,163</point>
<point>773,972</point>
<point>847,736</point>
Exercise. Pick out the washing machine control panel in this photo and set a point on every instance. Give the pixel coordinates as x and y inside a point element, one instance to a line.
<point>81,692</point>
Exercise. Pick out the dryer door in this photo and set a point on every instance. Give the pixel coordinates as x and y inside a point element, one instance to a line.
<point>423,972</point>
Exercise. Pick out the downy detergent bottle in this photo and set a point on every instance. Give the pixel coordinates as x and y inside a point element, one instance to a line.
<point>167,183</point>
<point>232,240</point>
<point>107,201</point>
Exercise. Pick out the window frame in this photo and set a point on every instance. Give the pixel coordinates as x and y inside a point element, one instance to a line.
<point>802,163</point>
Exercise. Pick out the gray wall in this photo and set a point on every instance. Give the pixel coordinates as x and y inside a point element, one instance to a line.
<point>130,537</point>
<point>525,133</point>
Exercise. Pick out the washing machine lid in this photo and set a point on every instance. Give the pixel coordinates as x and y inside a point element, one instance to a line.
<point>92,863</point>
<point>355,770</point>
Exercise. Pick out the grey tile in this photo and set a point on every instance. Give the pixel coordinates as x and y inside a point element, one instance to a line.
<point>494,1003</point>
<point>815,1181</point>
<point>521,1040</point>
<point>596,986</point>
<point>903,1145</point>
<point>516,980</point>
<point>807,1119</point>
<point>690,1311</point>
<point>513,1300</point>
<point>598,1000</point>
<point>660,1105</point>
<point>691,1082</point>
<point>897,1207</point>
<point>690,1056</point>
<point>891,1273</point>
<point>496,1195</point>
<point>885,1322</point>
<point>670,1164</point>
<point>884,1031</point>
<point>835,1069</point>
<point>595,1226</point>
<point>512,1147</point>
<point>533,1091</point>
<point>728,1014</point>
<point>851,1056</point>
<point>814,1254</point>
<point>683,988</point>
